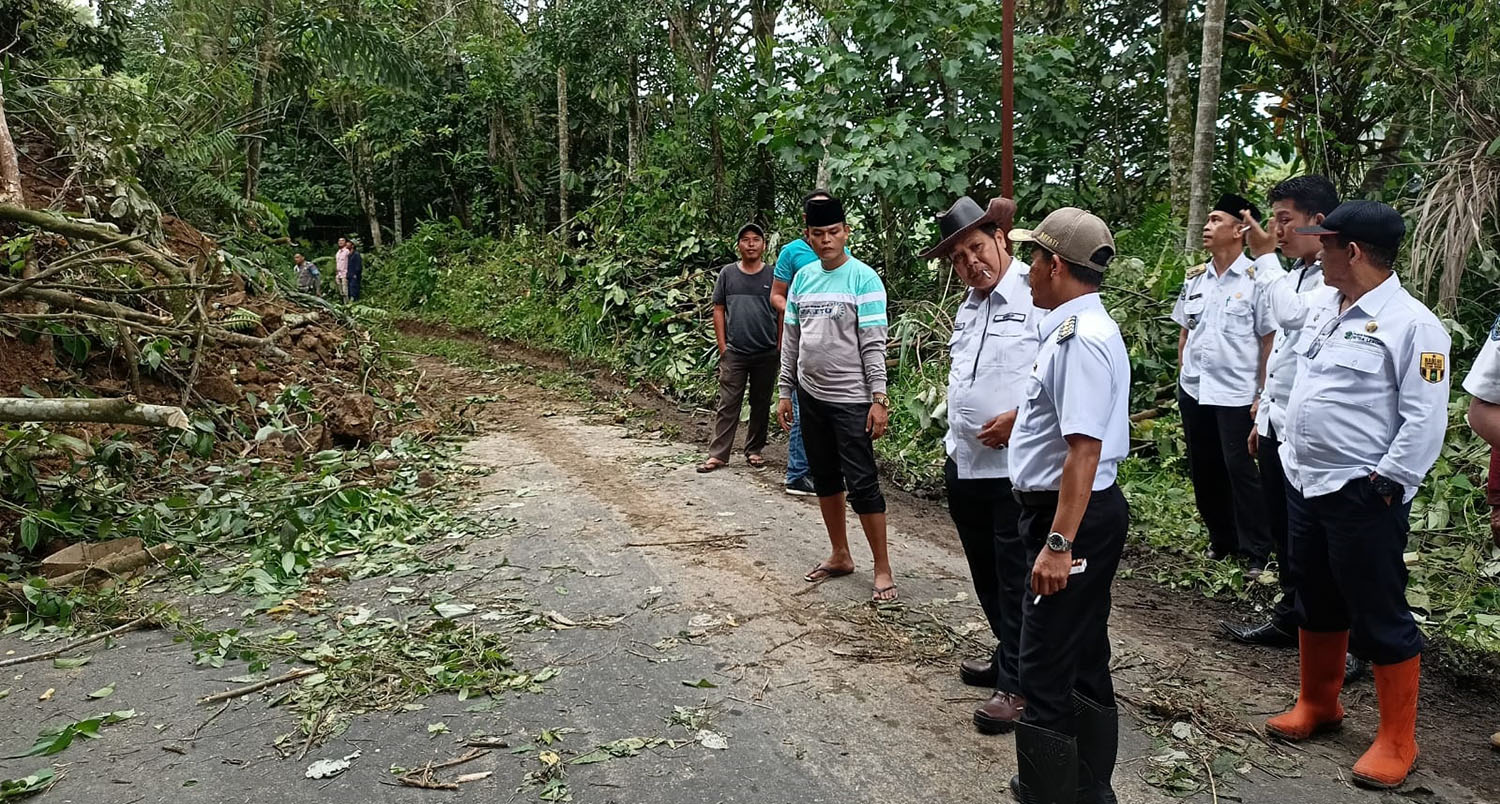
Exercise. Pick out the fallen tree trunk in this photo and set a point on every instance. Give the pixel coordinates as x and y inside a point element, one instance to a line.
<point>112,411</point>
<point>73,301</point>
<point>267,343</point>
<point>68,227</point>
<point>15,593</point>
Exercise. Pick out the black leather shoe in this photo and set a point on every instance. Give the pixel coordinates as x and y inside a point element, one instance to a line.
<point>979,672</point>
<point>1048,765</point>
<point>1267,634</point>
<point>1354,668</point>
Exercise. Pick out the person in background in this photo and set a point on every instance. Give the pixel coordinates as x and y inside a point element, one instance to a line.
<point>356,270</point>
<point>1483,384</point>
<point>1225,316</point>
<point>1296,202</point>
<point>1071,432</point>
<point>341,268</point>
<point>747,330</point>
<point>833,360</point>
<point>993,347</point>
<point>1365,424</point>
<point>793,257</point>
<point>307,274</point>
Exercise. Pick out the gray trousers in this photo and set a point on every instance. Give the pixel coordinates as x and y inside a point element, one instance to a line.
<point>735,372</point>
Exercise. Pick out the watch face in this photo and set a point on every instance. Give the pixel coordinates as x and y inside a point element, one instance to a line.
<point>1056,542</point>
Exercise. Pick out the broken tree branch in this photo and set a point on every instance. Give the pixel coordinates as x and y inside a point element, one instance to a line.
<point>73,301</point>
<point>56,652</point>
<point>240,692</point>
<point>69,227</point>
<point>121,410</point>
<point>14,593</point>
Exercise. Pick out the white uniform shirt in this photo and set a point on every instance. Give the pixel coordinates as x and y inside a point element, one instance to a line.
<point>1371,393</point>
<point>993,348</point>
<point>1225,317</point>
<point>1483,382</point>
<point>1080,386</point>
<point>1291,312</point>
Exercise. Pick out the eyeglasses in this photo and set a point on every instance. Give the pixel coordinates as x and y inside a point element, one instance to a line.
<point>1323,336</point>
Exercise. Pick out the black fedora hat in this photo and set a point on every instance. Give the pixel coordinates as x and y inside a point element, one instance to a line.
<point>965,214</point>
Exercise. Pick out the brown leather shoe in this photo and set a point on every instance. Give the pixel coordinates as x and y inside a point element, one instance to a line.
<point>999,714</point>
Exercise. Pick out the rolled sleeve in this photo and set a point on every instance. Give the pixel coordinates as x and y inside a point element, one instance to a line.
<point>1423,378</point>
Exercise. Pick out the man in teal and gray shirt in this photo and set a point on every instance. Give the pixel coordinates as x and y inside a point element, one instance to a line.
<point>833,349</point>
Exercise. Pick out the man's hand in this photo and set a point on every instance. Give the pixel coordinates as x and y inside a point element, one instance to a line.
<point>1261,241</point>
<point>784,413</point>
<point>1255,408</point>
<point>876,421</point>
<point>1050,574</point>
<point>1254,443</point>
<point>996,432</point>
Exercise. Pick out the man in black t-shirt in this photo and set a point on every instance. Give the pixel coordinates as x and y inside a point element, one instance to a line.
<point>747,329</point>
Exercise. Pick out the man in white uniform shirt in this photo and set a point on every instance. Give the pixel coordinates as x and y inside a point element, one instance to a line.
<point>1483,383</point>
<point>1365,423</point>
<point>1296,202</point>
<point>1225,315</point>
<point>1071,432</point>
<point>993,347</point>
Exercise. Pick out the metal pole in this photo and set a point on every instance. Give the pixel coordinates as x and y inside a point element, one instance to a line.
<point>1008,100</point>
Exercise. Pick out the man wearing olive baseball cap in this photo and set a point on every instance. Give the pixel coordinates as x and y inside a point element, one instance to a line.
<point>1071,432</point>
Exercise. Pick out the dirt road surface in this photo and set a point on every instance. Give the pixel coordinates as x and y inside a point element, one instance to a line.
<point>679,612</point>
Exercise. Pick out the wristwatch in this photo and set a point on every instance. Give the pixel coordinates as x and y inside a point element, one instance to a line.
<point>1386,487</point>
<point>1057,544</point>
<point>882,400</point>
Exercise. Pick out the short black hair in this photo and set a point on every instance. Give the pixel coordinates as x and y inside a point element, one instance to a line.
<point>989,228</point>
<point>1311,194</point>
<point>1089,276</point>
<point>1381,256</point>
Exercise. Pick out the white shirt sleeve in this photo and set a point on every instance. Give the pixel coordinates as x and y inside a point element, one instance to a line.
<point>1288,307</point>
<point>1265,319</point>
<point>1483,382</point>
<point>1179,313</point>
<point>1422,407</point>
<point>1081,380</point>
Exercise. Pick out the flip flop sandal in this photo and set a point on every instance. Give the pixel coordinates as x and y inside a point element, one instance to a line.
<point>881,590</point>
<point>755,461</point>
<point>710,465</point>
<point>827,573</point>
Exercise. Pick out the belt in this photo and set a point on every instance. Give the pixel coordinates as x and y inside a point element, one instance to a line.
<point>1048,499</point>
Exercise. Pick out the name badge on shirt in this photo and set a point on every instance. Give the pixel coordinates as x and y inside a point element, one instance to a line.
<point>1003,317</point>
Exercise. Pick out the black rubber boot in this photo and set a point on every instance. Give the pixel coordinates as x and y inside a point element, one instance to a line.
<point>1048,764</point>
<point>1098,746</point>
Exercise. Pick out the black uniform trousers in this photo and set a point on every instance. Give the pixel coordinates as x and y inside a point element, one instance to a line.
<point>1273,483</point>
<point>840,454</point>
<point>1226,483</point>
<point>1347,548</point>
<point>988,520</point>
<point>1065,637</point>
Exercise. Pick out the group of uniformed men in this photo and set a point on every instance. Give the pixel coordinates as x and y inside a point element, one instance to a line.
<point>1329,375</point>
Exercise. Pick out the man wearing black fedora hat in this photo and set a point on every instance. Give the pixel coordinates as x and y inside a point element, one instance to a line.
<point>993,346</point>
<point>1225,314</point>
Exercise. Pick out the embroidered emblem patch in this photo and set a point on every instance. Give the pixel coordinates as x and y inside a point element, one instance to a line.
<point>1358,338</point>
<point>1434,366</point>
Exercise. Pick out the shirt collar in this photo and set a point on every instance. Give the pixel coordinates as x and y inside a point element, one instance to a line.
<point>1240,266</point>
<point>1375,299</point>
<point>1063,312</point>
<point>1010,287</point>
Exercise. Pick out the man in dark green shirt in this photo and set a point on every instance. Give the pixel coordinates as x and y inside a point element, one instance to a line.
<point>746,327</point>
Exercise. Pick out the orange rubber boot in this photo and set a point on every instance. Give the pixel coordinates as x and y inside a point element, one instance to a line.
<point>1390,758</point>
<point>1321,668</point>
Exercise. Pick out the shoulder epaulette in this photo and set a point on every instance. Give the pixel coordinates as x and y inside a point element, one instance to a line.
<point>1196,271</point>
<point>1068,329</point>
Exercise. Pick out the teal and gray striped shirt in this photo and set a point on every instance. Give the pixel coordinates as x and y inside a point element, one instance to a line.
<point>834,333</point>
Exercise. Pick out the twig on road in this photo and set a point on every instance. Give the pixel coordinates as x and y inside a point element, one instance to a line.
<point>291,675</point>
<point>56,652</point>
<point>204,724</point>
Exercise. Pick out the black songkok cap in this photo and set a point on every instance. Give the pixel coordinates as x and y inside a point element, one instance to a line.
<point>1231,204</point>
<point>823,212</point>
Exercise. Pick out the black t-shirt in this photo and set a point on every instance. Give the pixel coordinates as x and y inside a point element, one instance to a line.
<point>750,325</point>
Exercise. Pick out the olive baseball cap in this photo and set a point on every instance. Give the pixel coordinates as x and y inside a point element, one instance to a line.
<point>1075,235</point>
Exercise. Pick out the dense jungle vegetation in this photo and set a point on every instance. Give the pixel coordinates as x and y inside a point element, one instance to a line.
<point>570,174</point>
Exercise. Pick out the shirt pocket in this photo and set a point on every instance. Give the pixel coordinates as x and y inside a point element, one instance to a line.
<point>1193,309</point>
<point>1362,361</point>
<point>1239,317</point>
<point>1005,345</point>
